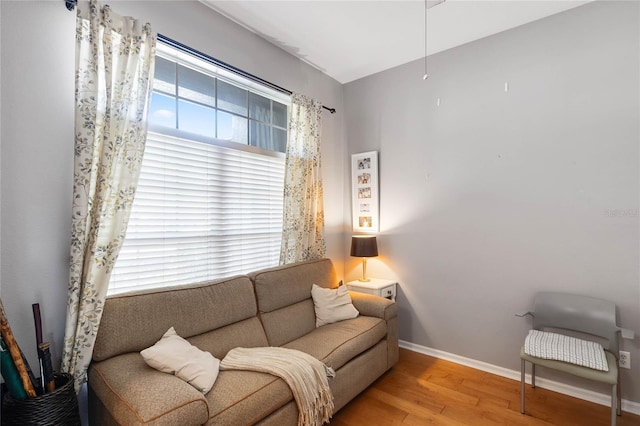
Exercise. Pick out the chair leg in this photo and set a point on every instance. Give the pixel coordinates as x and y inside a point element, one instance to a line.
<point>522,368</point>
<point>614,403</point>
<point>533,375</point>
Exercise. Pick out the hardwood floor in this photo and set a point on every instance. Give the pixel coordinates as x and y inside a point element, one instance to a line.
<point>421,390</point>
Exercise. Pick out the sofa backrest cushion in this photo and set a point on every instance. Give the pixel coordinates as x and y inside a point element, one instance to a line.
<point>135,321</point>
<point>286,289</point>
<point>245,334</point>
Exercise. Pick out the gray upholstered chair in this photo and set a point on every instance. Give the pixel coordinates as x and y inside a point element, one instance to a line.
<point>581,314</point>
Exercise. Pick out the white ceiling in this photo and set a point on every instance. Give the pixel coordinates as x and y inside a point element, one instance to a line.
<point>351,39</point>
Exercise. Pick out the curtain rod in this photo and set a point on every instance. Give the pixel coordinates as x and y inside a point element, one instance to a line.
<point>221,64</point>
<point>176,44</point>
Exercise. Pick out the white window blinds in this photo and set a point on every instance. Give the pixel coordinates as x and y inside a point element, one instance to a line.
<point>201,212</point>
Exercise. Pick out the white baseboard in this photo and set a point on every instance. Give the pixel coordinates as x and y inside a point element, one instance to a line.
<point>587,395</point>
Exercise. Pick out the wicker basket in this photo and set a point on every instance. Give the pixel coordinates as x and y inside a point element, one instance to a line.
<point>59,407</point>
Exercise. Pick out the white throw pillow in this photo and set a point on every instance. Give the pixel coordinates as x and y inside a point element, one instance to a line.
<point>174,355</point>
<point>332,304</point>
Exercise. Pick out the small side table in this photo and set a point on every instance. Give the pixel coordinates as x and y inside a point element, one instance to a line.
<point>377,287</point>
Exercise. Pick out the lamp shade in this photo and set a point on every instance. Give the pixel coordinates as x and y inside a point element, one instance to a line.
<point>364,246</point>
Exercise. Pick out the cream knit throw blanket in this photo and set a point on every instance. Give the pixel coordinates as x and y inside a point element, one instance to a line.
<point>305,375</point>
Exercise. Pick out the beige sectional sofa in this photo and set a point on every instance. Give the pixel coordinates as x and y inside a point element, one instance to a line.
<point>272,307</point>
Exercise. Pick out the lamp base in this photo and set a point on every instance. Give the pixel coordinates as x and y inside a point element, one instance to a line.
<point>364,278</point>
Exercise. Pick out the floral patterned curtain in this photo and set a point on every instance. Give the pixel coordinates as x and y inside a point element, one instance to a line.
<point>114,69</point>
<point>303,217</point>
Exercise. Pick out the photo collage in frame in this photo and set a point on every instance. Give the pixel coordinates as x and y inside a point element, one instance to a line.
<point>364,175</point>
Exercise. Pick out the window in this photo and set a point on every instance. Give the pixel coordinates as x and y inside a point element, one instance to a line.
<point>210,194</point>
<point>216,104</point>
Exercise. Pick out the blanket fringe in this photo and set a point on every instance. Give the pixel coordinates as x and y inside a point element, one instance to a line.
<point>305,375</point>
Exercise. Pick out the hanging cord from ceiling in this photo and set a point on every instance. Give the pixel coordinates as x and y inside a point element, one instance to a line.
<point>426,8</point>
<point>426,16</point>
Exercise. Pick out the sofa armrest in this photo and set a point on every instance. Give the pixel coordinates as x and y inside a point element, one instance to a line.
<point>374,306</point>
<point>134,394</point>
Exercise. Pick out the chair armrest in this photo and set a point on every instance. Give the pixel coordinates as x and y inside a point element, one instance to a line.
<point>627,333</point>
<point>374,306</point>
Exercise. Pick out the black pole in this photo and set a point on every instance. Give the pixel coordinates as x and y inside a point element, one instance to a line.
<point>224,65</point>
<point>71,4</point>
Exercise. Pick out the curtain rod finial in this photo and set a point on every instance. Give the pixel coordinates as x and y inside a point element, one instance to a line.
<point>71,4</point>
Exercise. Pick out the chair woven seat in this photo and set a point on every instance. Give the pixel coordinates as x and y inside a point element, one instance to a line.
<point>585,315</point>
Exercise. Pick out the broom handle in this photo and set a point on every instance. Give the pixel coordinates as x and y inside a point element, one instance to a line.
<point>14,350</point>
<point>38,323</point>
<point>37,320</point>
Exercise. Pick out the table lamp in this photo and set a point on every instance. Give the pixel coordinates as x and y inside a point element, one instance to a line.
<point>364,246</point>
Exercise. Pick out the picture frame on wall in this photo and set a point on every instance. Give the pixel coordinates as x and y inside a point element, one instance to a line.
<point>364,192</point>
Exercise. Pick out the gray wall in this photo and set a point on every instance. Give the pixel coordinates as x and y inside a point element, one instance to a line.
<point>37,166</point>
<point>496,195</point>
<point>37,48</point>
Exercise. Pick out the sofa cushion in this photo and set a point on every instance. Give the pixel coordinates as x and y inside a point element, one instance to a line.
<point>174,355</point>
<point>134,321</point>
<point>332,304</point>
<point>289,284</point>
<point>279,327</point>
<point>245,397</point>
<point>359,373</point>
<point>287,415</point>
<point>135,393</point>
<point>336,344</point>
<point>284,292</point>
<point>246,333</point>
